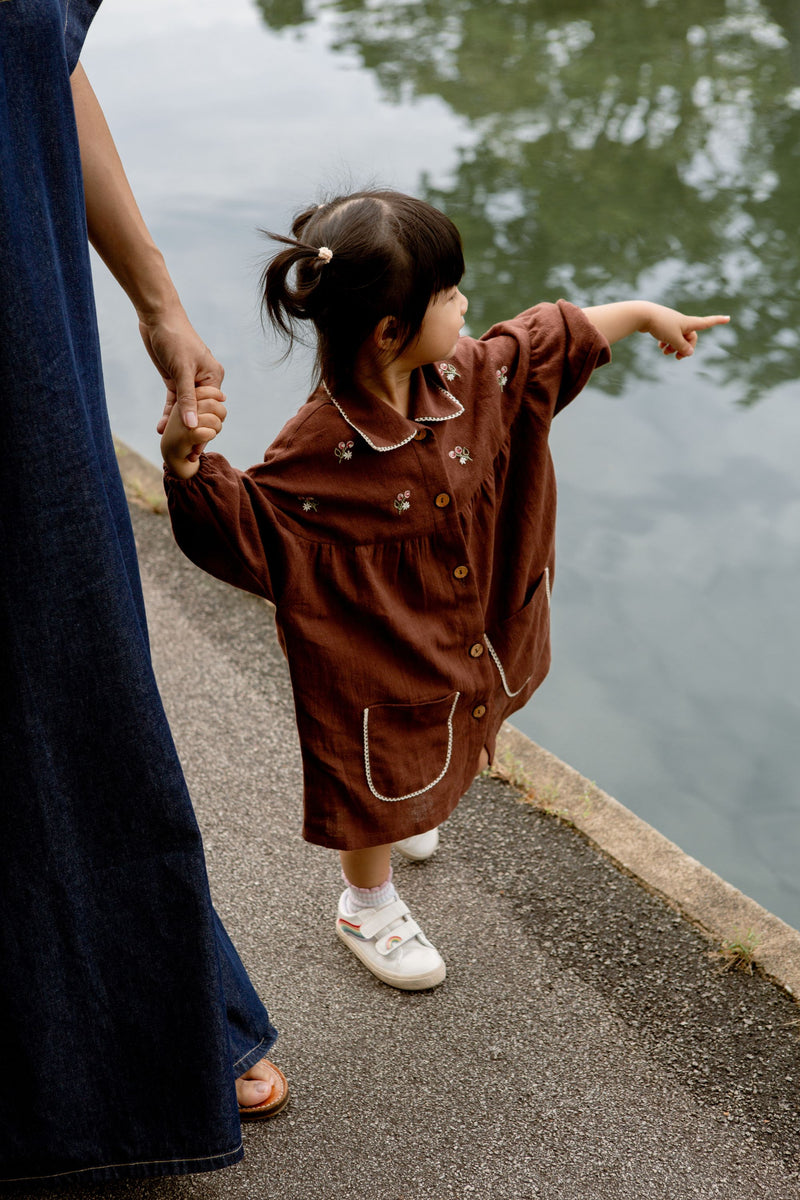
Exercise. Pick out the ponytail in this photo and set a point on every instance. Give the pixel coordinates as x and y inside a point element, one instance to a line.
<point>353,261</point>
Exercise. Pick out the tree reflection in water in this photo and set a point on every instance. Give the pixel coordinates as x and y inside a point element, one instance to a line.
<point>613,148</point>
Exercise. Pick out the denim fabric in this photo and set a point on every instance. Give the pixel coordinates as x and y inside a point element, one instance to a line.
<point>123,1004</point>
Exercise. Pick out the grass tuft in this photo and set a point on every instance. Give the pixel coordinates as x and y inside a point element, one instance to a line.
<point>545,797</point>
<point>738,953</point>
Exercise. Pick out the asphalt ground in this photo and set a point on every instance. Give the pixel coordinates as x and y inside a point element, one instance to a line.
<point>586,1045</point>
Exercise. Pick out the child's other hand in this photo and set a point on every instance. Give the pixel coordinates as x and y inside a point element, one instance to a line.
<point>182,447</point>
<point>676,333</point>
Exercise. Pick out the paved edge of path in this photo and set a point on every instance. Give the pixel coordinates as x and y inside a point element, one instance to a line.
<point>720,910</point>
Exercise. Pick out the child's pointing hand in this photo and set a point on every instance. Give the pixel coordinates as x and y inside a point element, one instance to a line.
<point>674,331</point>
<point>677,334</point>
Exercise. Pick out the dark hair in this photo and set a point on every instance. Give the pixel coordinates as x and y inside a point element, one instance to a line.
<point>391,254</point>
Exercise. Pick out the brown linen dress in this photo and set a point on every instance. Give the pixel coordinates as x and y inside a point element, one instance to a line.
<point>410,562</point>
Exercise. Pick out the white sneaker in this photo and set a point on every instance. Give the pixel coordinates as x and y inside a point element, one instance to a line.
<point>420,847</point>
<point>391,944</point>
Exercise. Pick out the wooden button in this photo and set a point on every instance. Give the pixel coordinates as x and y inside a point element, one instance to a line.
<point>479,711</point>
<point>420,435</point>
<point>442,500</point>
<point>461,572</point>
<point>476,650</point>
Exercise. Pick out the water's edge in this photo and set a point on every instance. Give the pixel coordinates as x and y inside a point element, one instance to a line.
<point>719,910</point>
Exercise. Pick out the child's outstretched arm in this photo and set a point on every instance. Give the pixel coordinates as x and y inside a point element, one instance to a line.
<point>181,447</point>
<point>675,333</point>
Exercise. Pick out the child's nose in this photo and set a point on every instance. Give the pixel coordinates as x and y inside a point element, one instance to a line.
<point>464,303</point>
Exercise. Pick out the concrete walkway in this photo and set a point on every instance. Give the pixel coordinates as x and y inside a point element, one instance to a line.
<point>585,1046</point>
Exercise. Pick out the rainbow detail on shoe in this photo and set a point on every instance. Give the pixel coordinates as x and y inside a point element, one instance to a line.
<point>390,944</point>
<point>350,928</point>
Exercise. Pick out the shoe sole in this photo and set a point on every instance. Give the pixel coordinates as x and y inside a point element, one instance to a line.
<point>417,984</point>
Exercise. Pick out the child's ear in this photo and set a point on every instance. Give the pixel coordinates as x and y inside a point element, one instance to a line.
<point>385,333</point>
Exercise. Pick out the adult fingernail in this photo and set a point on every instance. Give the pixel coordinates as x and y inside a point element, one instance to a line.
<point>190,420</point>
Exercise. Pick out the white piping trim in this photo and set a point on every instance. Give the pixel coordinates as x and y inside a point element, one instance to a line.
<point>493,652</point>
<point>411,436</point>
<point>360,432</point>
<point>499,666</point>
<point>449,416</point>
<point>419,791</point>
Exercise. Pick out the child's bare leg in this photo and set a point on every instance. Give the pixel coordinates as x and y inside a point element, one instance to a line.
<point>483,761</point>
<point>367,868</point>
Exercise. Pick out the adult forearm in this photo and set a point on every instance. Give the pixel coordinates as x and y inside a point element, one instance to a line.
<point>121,238</point>
<point>116,227</point>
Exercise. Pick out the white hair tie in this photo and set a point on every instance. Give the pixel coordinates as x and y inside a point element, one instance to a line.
<point>325,253</point>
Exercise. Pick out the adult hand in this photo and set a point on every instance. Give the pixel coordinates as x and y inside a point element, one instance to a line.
<point>182,359</point>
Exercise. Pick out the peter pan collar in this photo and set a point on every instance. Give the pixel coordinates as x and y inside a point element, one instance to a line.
<point>382,427</point>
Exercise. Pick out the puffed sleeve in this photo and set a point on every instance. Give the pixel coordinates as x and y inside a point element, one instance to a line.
<point>565,349</point>
<point>546,355</point>
<point>224,522</point>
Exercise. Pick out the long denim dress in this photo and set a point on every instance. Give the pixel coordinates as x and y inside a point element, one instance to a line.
<point>125,1012</point>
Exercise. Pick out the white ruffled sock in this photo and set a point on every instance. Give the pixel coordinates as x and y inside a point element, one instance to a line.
<point>376,897</point>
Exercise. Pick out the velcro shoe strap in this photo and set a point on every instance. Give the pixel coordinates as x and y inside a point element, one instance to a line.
<point>401,933</point>
<point>381,917</point>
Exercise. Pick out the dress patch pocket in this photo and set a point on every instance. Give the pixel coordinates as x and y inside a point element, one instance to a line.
<point>408,747</point>
<point>520,646</point>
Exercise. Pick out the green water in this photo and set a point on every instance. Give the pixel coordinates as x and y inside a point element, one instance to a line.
<point>594,151</point>
<point>612,146</point>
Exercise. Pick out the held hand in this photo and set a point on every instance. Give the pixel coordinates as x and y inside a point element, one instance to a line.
<point>676,333</point>
<point>182,447</point>
<point>182,359</point>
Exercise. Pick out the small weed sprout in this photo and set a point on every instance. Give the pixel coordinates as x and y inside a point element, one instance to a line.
<point>510,770</point>
<point>738,952</point>
<point>587,796</point>
<point>547,798</point>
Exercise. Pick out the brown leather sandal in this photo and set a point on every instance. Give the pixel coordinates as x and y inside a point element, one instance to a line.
<point>276,1101</point>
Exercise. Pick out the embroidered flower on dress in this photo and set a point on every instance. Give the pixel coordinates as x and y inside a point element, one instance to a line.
<point>309,503</point>
<point>344,451</point>
<point>449,371</point>
<point>502,377</point>
<point>403,501</point>
<point>462,454</point>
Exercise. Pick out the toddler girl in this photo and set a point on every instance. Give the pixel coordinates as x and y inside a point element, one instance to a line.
<point>403,525</point>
